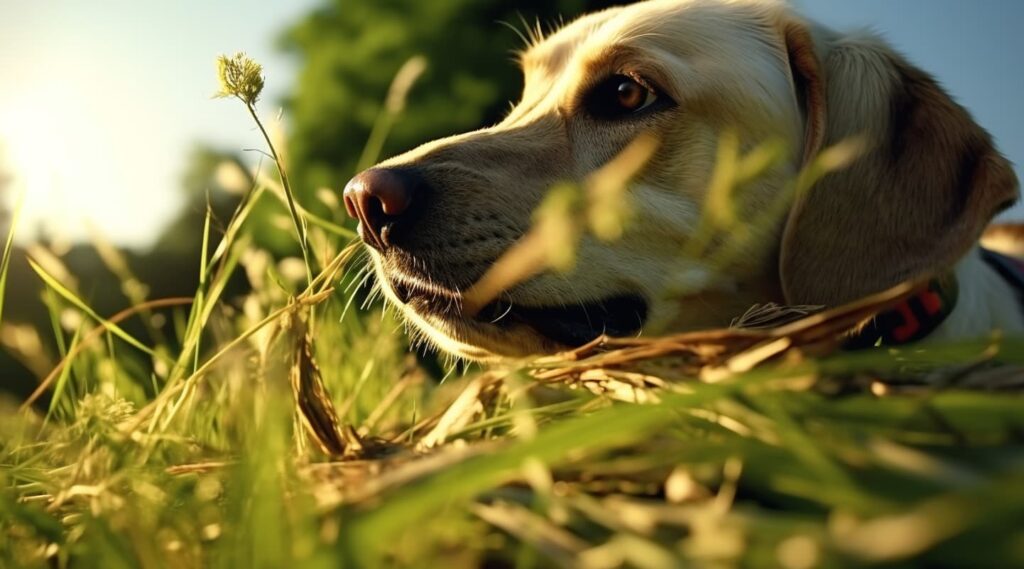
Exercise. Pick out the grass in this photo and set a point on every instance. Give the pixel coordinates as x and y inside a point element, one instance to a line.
<point>231,437</point>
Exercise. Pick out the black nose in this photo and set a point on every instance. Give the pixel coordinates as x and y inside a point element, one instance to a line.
<point>380,198</point>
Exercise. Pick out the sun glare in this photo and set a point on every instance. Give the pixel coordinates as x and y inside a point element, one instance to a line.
<point>48,150</point>
<point>25,132</point>
<point>37,154</point>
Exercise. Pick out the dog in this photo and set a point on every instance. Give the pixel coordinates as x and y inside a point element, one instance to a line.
<point>913,202</point>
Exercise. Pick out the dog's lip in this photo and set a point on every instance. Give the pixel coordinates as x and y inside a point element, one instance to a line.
<point>576,324</point>
<point>408,292</point>
<point>566,325</point>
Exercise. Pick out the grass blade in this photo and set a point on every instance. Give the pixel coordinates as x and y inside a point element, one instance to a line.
<point>5,263</point>
<point>60,289</point>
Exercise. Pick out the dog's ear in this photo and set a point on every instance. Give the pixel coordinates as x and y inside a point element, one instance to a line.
<point>919,194</point>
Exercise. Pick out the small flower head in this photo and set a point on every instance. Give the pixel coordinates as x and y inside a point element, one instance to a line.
<point>240,76</point>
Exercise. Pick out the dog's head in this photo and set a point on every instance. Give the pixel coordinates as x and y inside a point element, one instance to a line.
<point>921,191</point>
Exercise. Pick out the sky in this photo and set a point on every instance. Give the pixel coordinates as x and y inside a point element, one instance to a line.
<point>101,101</point>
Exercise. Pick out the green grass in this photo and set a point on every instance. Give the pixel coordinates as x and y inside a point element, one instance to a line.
<point>186,449</point>
<point>755,470</point>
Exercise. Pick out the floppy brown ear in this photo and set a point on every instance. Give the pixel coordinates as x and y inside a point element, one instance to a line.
<point>919,195</point>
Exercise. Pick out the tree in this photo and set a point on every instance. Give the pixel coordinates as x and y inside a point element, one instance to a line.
<point>350,51</point>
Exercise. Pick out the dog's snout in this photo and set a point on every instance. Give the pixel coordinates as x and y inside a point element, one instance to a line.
<point>381,198</point>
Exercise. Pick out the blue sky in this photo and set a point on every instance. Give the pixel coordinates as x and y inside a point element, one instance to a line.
<point>100,101</point>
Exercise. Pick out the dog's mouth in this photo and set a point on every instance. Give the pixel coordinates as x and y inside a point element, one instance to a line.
<point>570,325</point>
<point>573,325</point>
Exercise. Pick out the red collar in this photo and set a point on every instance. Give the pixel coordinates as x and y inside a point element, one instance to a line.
<point>911,320</point>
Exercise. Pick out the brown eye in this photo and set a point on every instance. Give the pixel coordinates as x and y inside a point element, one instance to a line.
<point>631,95</point>
<point>620,96</point>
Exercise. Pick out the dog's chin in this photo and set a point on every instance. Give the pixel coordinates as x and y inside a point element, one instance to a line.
<point>505,329</point>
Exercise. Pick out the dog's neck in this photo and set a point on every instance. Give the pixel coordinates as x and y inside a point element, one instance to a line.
<point>987,302</point>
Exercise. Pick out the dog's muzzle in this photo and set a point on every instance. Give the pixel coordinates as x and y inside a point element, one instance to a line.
<point>389,202</point>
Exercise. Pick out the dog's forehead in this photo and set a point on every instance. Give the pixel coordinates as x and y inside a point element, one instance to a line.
<point>684,27</point>
<point>553,51</point>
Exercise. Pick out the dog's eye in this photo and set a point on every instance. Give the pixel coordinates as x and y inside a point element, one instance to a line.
<point>619,96</point>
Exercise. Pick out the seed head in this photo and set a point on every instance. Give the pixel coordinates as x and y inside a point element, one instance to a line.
<point>240,76</point>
